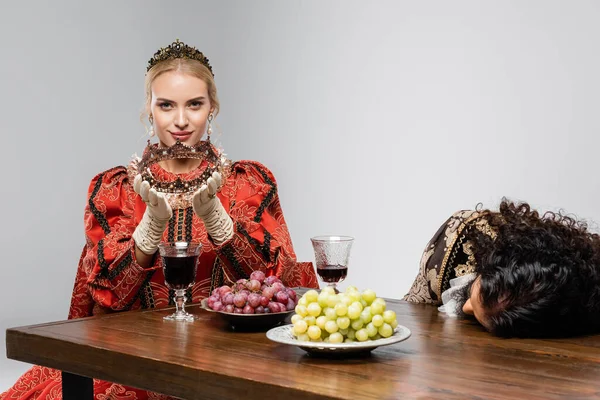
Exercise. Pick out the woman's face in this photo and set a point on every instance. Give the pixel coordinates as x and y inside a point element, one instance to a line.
<point>180,107</point>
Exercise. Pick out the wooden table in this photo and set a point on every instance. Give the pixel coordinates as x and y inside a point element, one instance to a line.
<point>444,358</point>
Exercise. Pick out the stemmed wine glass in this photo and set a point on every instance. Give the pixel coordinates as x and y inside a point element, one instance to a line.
<point>331,255</point>
<point>179,266</point>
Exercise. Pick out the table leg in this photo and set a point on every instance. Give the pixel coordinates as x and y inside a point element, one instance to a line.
<point>76,387</point>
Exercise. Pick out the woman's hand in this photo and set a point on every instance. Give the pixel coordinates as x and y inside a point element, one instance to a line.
<point>156,203</point>
<point>208,207</point>
<point>205,197</point>
<point>149,232</point>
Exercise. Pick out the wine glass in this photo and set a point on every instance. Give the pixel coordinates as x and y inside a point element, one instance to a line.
<point>331,255</point>
<point>179,265</point>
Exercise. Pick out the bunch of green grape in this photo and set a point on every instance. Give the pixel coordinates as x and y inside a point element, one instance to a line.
<point>345,317</point>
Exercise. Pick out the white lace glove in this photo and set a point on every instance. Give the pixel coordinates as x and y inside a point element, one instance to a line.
<point>208,207</point>
<point>149,232</point>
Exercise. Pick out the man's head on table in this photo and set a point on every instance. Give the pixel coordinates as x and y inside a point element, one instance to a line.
<point>539,277</point>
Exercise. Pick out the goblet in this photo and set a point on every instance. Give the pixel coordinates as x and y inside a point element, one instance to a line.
<point>331,255</point>
<point>179,266</point>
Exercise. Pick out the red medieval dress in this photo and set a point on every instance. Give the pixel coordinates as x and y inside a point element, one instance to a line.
<point>110,280</point>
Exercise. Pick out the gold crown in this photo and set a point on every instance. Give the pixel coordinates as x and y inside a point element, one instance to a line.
<point>178,49</point>
<point>203,150</point>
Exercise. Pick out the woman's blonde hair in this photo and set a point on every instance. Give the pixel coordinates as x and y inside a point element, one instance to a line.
<point>186,66</point>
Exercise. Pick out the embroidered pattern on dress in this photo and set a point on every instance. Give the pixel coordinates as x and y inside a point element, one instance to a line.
<point>229,253</point>
<point>268,198</point>
<point>484,227</point>
<point>99,216</point>
<point>263,249</point>
<point>171,228</point>
<point>189,213</point>
<point>419,292</point>
<point>139,292</point>
<point>116,271</point>
<point>216,275</point>
<point>180,225</point>
<point>470,265</point>
<point>458,224</point>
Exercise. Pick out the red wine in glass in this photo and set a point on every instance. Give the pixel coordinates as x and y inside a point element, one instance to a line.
<point>179,267</point>
<point>331,255</point>
<point>180,272</point>
<point>332,273</point>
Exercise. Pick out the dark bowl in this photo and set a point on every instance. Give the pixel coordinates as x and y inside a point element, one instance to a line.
<point>250,322</point>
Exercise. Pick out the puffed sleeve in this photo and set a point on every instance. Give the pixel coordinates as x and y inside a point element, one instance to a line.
<point>108,266</point>
<point>448,255</point>
<point>261,239</point>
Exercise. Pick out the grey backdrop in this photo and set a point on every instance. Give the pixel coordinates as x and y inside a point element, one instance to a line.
<point>378,120</point>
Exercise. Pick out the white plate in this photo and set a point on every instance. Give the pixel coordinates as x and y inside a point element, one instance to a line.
<point>283,334</point>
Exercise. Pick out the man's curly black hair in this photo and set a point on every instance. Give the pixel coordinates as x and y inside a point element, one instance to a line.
<point>540,277</point>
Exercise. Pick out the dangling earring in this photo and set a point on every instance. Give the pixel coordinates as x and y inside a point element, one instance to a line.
<point>209,129</point>
<point>151,132</point>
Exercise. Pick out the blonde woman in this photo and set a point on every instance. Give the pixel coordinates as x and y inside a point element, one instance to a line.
<point>182,189</point>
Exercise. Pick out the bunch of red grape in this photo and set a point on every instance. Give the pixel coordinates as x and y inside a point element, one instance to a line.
<point>257,295</point>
